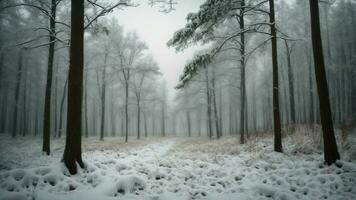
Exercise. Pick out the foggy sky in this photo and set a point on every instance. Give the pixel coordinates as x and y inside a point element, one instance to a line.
<point>156,28</point>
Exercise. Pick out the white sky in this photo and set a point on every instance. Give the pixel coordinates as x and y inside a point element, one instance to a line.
<point>156,28</point>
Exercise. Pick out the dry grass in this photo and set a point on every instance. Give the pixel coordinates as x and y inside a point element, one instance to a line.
<point>225,145</point>
<point>114,143</point>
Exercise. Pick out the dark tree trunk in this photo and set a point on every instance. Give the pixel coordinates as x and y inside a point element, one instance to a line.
<point>310,108</point>
<point>17,92</point>
<point>145,123</point>
<point>242,74</point>
<point>208,99</point>
<point>290,83</point>
<point>3,96</point>
<point>163,119</point>
<point>24,107</point>
<point>220,112</point>
<point>73,148</point>
<point>113,116</point>
<point>187,113</point>
<point>47,109</point>
<point>216,117</point>
<point>276,115</point>
<point>55,102</point>
<point>103,99</point>
<point>36,113</point>
<point>86,104</point>
<point>126,111</point>
<point>331,153</point>
<point>138,117</point>
<point>60,131</point>
<point>94,118</point>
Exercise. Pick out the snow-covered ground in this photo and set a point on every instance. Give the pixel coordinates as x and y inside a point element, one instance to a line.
<point>178,168</point>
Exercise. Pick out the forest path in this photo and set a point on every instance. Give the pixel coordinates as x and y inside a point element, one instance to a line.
<point>184,169</point>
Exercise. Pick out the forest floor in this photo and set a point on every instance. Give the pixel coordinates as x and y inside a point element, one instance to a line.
<point>179,168</point>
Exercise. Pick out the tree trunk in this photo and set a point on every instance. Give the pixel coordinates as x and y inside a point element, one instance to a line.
<point>310,109</point>
<point>73,151</point>
<point>24,108</point>
<point>145,123</point>
<point>208,99</point>
<point>47,110</point>
<point>138,118</point>
<point>60,131</point>
<point>242,74</point>
<point>94,118</point>
<point>331,153</point>
<point>36,113</point>
<point>216,117</point>
<point>126,111</point>
<point>220,112</point>
<point>17,92</point>
<point>103,98</point>
<point>86,104</point>
<point>55,102</point>
<point>163,118</point>
<point>187,113</point>
<point>113,116</point>
<point>3,96</point>
<point>291,83</point>
<point>276,115</point>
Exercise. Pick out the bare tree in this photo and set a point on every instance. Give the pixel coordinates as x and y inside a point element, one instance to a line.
<point>331,153</point>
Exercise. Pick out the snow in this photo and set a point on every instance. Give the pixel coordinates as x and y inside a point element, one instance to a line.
<point>178,168</point>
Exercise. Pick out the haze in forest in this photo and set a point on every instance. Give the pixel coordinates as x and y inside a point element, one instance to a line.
<point>156,28</point>
<point>177,99</point>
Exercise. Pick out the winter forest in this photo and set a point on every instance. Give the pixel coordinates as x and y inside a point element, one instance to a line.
<point>177,99</point>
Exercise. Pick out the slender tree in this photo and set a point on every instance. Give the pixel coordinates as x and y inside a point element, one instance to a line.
<point>47,109</point>
<point>17,92</point>
<point>276,114</point>
<point>331,153</point>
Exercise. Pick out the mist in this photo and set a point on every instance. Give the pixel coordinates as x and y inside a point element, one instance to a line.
<point>177,99</point>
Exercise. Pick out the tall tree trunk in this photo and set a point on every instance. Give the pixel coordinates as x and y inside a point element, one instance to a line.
<point>36,113</point>
<point>331,153</point>
<point>55,102</point>
<point>145,123</point>
<point>329,55</point>
<point>60,131</point>
<point>94,118</point>
<point>199,121</point>
<point>24,107</point>
<point>310,108</point>
<point>208,99</point>
<point>73,147</point>
<point>17,92</point>
<point>216,117</point>
<point>47,110</point>
<point>290,82</point>
<point>126,111</point>
<point>86,104</point>
<point>122,125</point>
<point>242,74</point>
<point>103,98</point>
<point>276,115</point>
<point>220,112</point>
<point>163,119</point>
<point>138,117</point>
<point>3,96</point>
<point>113,116</point>
<point>187,113</point>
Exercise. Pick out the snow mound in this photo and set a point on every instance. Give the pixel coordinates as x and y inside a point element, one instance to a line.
<point>129,184</point>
